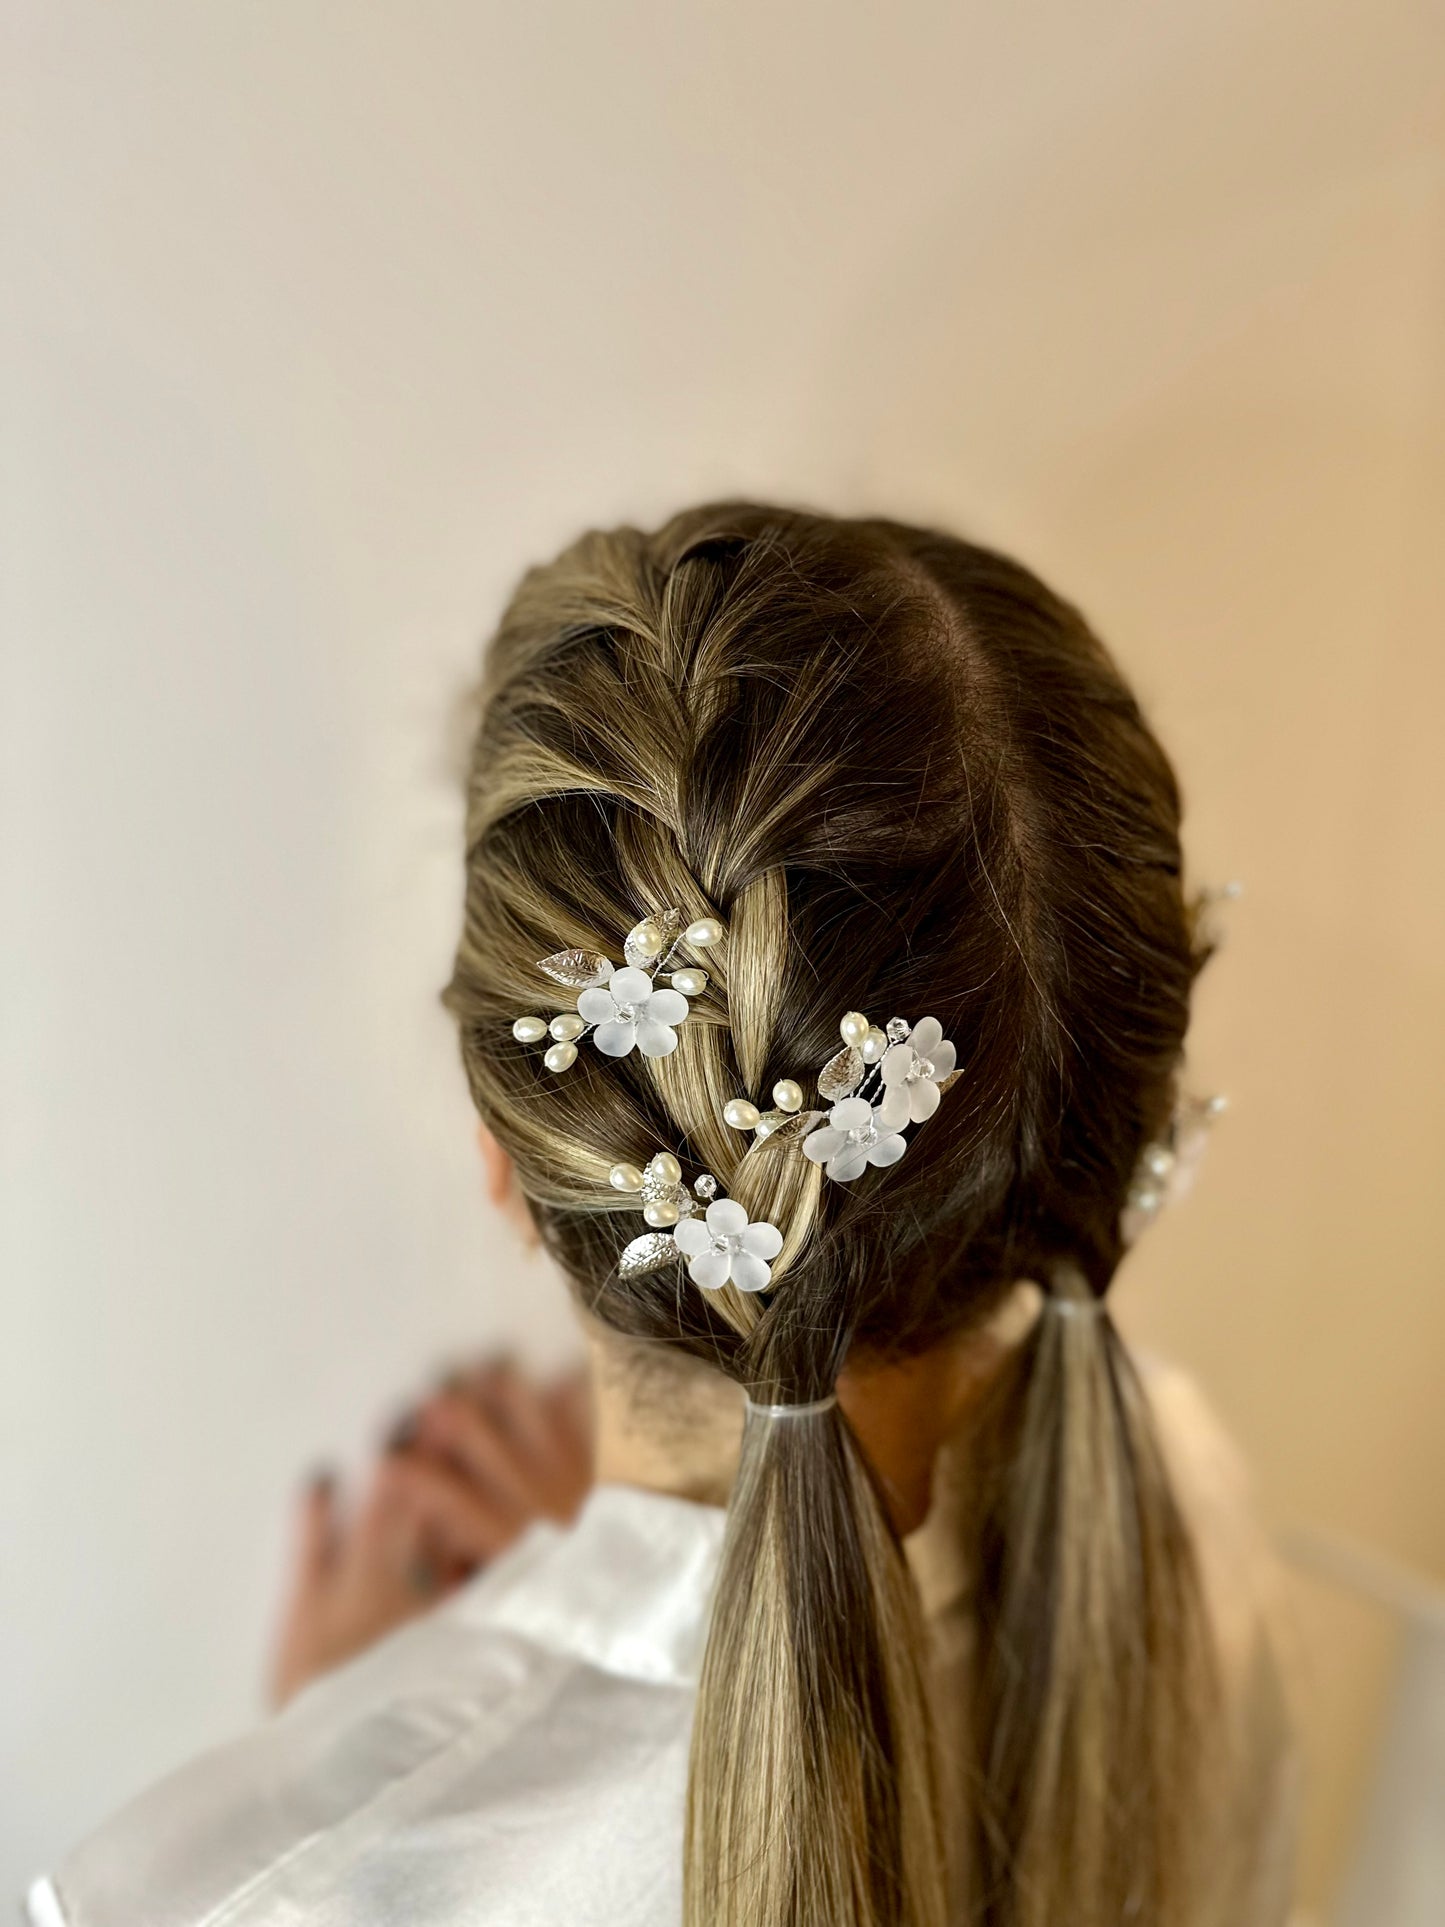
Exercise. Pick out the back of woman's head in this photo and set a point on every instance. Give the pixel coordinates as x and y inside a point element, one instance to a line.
<point>907,779</point>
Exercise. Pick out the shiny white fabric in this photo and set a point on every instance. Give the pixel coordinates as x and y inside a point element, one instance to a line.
<point>518,1757</point>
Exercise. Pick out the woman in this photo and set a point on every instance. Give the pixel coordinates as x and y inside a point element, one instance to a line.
<point>846,1277</point>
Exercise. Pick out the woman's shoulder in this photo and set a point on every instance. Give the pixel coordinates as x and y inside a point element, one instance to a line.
<point>419,1781</point>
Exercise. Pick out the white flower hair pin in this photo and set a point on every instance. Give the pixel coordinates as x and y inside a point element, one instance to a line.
<point>722,1248</point>
<point>624,1008</point>
<point>878,1084</point>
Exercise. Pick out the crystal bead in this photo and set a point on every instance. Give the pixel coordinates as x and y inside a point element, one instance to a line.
<point>898,1029</point>
<point>705,1186</point>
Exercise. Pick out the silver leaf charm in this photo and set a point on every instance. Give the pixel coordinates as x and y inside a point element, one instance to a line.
<point>577,969</point>
<point>657,1190</point>
<point>841,1074</point>
<point>650,1252</point>
<point>792,1126</point>
<point>638,946</point>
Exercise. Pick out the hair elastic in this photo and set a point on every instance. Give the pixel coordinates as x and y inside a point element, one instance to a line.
<point>795,1411</point>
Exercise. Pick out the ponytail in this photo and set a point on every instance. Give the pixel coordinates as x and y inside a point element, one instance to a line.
<point>812,1797</point>
<point>1092,1678</point>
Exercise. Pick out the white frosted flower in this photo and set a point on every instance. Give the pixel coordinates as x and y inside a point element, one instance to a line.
<point>727,1246</point>
<point>912,1072</point>
<point>854,1137</point>
<point>627,1011</point>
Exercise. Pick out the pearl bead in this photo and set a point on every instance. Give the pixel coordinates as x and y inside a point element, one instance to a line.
<point>873,1045</point>
<point>787,1095</point>
<point>1158,1161</point>
<point>666,1169</point>
<point>705,931</point>
<point>530,1030</point>
<point>567,1027</point>
<point>625,1177</point>
<point>660,1213</point>
<point>692,983</point>
<point>647,938</point>
<point>561,1057</point>
<point>741,1115</point>
<point>854,1028</point>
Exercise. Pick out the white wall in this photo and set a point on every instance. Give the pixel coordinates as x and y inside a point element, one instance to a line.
<point>326,320</point>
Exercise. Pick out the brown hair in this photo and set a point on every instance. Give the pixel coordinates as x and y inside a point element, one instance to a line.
<point>908,778</point>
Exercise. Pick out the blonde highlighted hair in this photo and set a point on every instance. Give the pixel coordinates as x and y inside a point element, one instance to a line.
<point>908,778</point>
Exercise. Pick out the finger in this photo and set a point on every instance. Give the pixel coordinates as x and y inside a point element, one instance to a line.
<point>452,1426</point>
<point>402,1432</point>
<point>316,1529</point>
<point>522,1412</point>
<point>419,1503</point>
<point>308,1584</point>
<point>549,1444</point>
<point>393,1553</point>
<point>473,1381</point>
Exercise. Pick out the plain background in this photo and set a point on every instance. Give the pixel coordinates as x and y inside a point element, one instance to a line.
<point>322,321</point>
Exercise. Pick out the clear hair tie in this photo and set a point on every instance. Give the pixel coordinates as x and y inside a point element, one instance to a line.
<point>795,1411</point>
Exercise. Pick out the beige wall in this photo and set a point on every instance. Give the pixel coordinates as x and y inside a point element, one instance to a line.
<point>329,318</point>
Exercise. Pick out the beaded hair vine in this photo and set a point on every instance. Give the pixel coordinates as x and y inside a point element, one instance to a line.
<point>623,1008</point>
<point>880,1083</point>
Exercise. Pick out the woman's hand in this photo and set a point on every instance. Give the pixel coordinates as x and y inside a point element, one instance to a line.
<point>464,1475</point>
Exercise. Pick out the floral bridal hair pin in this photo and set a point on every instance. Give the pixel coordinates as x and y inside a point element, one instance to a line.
<point>879,1083</point>
<point>882,1081</point>
<point>624,1009</point>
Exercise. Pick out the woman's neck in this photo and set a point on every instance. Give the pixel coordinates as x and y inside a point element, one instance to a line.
<point>669,1424</point>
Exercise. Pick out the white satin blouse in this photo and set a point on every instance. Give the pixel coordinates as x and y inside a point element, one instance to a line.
<point>518,1757</point>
